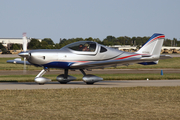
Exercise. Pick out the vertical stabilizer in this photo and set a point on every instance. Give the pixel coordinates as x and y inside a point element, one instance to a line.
<point>153,45</point>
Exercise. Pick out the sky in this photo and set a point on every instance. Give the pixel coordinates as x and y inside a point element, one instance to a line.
<point>57,19</point>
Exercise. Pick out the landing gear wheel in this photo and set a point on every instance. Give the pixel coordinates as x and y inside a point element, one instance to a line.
<point>63,82</point>
<point>89,83</point>
<point>41,83</point>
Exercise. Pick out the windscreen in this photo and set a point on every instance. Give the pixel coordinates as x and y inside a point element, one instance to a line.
<point>83,46</point>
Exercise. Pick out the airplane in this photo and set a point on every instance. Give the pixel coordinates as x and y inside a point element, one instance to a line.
<point>89,55</point>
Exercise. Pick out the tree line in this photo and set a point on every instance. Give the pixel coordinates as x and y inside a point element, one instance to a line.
<point>47,43</point>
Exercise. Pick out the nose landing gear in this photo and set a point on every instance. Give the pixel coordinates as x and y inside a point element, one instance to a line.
<point>41,80</point>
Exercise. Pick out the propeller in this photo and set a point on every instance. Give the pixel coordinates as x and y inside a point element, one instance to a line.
<point>24,50</point>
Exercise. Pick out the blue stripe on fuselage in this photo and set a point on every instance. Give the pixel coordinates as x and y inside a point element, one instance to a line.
<point>148,63</point>
<point>56,64</point>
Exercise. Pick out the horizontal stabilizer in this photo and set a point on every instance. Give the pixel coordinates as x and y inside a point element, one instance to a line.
<point>165,57</point>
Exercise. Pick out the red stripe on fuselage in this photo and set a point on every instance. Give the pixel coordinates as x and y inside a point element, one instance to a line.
<point>102,60</point>
<point>127,56</point>
<point>82,61</point>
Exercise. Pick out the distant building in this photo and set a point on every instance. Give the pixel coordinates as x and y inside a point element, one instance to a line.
<point>164,49</point>
<point>121,47</point>
<point>7,42</point>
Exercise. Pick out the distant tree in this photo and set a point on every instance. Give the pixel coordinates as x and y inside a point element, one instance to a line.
<point>57,46</point>
<point>79,39</point>
<point>167,42</point>
<point>178,43</point>
<point>1,46</point>
<point>44,45</point>
<point>89,39</point>
<point>174,42</point>
<point>121,40</point>
<point>15,47</point>
<point>34,44</point>
<point>97,40</point>
<point>109,40</point>
<point>48,40</point>
<point>3,49</point>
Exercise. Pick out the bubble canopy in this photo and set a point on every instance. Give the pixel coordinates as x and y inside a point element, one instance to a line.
<point>86,46</point>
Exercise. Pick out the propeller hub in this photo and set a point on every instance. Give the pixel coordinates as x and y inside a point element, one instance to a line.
<point>24,54</point>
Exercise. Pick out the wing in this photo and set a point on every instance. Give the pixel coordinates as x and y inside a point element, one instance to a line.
<point>18,61</point>
<point>114,63</point>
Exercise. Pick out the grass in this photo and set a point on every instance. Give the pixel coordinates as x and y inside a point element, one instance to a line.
<point>91,103</point>
<point>127,76</point>
<point>10,66</point>
<point>163,64</point>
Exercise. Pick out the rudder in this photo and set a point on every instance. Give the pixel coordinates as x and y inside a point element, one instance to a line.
<point>153,45</point>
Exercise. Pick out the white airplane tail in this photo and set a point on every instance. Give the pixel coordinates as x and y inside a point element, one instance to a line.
<point>153,45</point>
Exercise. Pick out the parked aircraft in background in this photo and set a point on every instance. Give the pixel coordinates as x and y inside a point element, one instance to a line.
<point>90,55</point>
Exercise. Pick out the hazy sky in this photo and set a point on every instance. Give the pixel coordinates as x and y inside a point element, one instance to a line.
<point>57,19</point>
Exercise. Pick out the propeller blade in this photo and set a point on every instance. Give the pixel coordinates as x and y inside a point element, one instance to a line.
<point>24,42</point>
<point>24,71</point>
<point>24,50</point>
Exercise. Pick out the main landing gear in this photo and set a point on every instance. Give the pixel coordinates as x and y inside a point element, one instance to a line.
<point>65,78</point>
<point>90,79</point>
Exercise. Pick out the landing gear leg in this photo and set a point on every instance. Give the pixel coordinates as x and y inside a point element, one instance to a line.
<point>82,71</point>
<point>41,80</point>
<point>42,72</point>
<point>65,78</point>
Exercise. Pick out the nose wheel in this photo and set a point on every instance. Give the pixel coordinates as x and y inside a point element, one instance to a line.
<point>41,80</point>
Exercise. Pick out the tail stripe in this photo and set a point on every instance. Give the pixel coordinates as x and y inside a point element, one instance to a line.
<point>162,36</point>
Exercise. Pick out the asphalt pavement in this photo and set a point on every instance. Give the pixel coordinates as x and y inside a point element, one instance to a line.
<point>81,84</point>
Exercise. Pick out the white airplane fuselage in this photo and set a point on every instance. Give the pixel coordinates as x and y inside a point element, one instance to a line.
<point>63,58</point>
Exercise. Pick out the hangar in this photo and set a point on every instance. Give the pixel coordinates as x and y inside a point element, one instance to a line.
<point>7,42</point>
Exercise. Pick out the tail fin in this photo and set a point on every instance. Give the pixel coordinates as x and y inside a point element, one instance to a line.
<point>153,45</point>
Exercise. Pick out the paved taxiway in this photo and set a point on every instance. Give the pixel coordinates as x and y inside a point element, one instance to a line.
<point>80,84</point>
